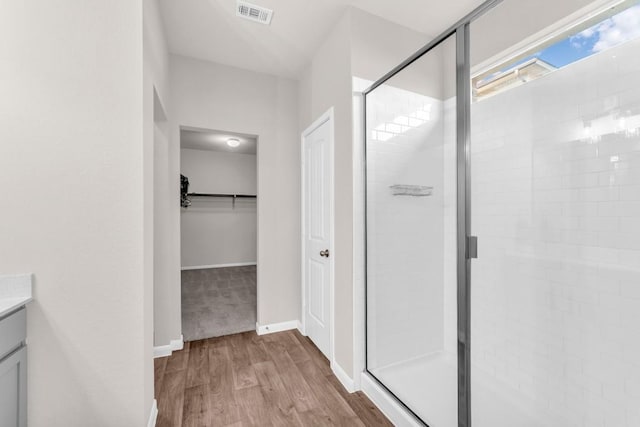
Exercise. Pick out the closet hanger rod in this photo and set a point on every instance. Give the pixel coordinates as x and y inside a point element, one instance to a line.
<point>246,196</point>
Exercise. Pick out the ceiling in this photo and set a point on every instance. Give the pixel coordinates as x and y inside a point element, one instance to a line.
<point>211,140</point>
<point>209,29</point>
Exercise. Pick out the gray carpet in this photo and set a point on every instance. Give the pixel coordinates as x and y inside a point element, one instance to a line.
<point>218,301</point>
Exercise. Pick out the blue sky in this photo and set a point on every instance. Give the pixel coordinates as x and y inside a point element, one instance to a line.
<point>567,51</point>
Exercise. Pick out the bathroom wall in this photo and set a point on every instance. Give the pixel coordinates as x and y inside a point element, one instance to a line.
<point>162,245</point>
<point>412,240</point>
<point>215,231</point>
<point>556,287</point>
<point>405,256</point>
<point>378,45</point>
<point>327,83</point>
<point>73,208</point>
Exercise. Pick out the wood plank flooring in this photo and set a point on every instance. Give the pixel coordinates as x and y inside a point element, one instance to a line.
<point>242,380</point>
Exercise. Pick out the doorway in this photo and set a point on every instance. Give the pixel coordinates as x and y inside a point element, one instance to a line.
<point>317,233</point>
<point>218,232</point>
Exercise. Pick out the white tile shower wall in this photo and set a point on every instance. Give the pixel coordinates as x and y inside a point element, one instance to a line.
<point>405,258</point>
<point>556,289</point>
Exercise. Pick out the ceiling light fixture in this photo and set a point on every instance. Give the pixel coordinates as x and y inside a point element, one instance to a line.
<point>233,142</point>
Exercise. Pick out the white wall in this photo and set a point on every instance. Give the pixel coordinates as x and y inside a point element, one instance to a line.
<point>557,284</point>
<point>365,46</point>
<point>163,245</point>
<point>213,96</point>
<point>72,207</point>
<point>405,255</point>
<point>325,84</point>
<point>215,231</point>
<point>166,307</point>
<point>378,45</point>
<point>411,240</point>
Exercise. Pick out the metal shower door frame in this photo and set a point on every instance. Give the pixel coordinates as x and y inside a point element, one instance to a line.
<point>466,243</point>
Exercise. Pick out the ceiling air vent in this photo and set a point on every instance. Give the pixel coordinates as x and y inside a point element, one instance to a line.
<point>254,13</point>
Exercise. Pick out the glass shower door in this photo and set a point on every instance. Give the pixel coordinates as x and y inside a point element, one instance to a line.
<point>411,236</point>
<point>555,154</point>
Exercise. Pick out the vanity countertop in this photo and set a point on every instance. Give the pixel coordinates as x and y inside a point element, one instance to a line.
<point>15,291</point>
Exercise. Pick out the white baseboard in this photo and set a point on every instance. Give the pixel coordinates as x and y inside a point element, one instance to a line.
<point>162,351</point>
<point>393,410</point>
<point>153,416</point>
<point>233,264</point>
<point>166,350</point>
<point>277,327</point>
<point>342,376</point>
<point>177,344</point>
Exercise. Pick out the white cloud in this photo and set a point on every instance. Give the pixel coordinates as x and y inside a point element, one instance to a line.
<point>618,29</point>
<point>587,33</point>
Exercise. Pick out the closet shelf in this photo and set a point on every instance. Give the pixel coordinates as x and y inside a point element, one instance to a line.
<point>244,196</point>
<point>233,197</point>
<point>411,190</point>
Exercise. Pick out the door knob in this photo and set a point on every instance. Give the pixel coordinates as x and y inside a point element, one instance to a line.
<point>325,253</point>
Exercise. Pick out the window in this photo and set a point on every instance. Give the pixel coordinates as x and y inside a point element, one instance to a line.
<point>619,24</point>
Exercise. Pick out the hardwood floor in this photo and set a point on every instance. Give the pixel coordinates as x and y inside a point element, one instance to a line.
<point>240,380</point>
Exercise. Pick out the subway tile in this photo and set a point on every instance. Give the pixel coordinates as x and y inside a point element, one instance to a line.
<point>629,258</point>
<point>625,241</point>
<point>631,290</point>
<point>629,193</point>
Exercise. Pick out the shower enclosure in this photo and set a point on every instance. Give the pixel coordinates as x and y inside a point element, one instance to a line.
<point>534,147</point>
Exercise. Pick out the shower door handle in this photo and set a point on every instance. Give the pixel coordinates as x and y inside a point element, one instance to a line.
<point>325,253</point>
<point>472,247</point>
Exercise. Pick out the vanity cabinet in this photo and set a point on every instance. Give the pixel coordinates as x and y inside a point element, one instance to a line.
<point>13,369</point>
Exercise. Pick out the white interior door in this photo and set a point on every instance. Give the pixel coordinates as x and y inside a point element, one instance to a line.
<point>318,233</point>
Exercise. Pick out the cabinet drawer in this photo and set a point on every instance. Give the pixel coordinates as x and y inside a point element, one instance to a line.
<point>13,330</point>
